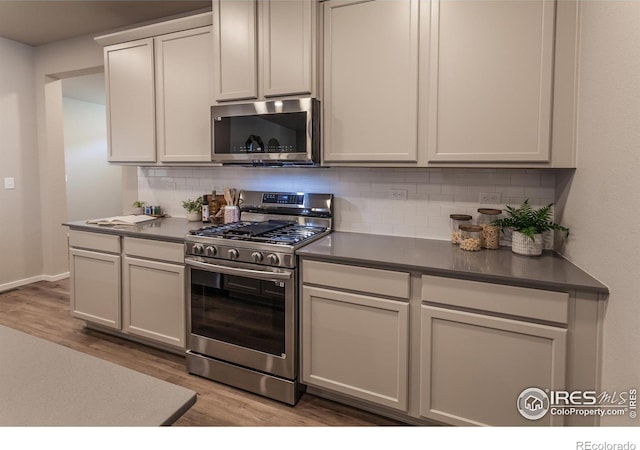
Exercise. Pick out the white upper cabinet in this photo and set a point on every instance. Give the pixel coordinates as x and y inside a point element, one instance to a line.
<point>443,83</point>
<point>184,93</point>
<point>490,81</point>
<point>286,60</point>
<point>370,81</point>
<point>235,50</point>
<point>263,48</point>
<point>159,94</point>
<point>130,93</point>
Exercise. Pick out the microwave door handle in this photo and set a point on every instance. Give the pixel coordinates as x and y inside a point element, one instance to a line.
<point>258,274</point>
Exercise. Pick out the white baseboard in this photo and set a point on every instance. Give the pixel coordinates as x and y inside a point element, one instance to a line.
<point>18,283</point>
<point>53,278</point>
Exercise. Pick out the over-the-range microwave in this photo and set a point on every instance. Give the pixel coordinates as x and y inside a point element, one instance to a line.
<point>279,132</point>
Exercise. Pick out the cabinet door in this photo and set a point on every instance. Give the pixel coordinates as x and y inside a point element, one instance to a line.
<point>370,81</point>
<point>130,101</point>
<point>356,345</point>
<point>286,41</point>
<point>95,287</point>
<point>154,301</point>
<point>490,80</point>
<point>235,50</point>
<point>474,367</point>
<point>184,85</point>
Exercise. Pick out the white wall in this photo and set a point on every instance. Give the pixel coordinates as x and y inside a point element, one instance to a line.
<point>94,188</point>
<point>20,244</point>
<point>54,62</point>
<point>363,195</point>
<point>601,199</point>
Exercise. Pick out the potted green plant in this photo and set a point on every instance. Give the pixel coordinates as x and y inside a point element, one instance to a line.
<point>528,224</point>
<point>193,208</point>
<point>138,207</point>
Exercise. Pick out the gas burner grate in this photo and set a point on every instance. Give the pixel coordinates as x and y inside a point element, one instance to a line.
<point>272,232</point>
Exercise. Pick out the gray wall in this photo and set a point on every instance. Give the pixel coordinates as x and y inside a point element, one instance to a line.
<point>94,188</point>
<point>20,221</point>
<point>601,198</point>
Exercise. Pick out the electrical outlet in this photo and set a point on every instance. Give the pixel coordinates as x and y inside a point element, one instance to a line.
<point>9,183</point>
<point>399,194</point>
<point>171,185</point>
<point>490,197</point>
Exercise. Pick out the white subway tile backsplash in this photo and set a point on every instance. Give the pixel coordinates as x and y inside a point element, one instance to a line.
<point>362,195</point>
<point>428,188</point>
<point>441,197</point>
<point>499,179</point>
<point>525,179</point>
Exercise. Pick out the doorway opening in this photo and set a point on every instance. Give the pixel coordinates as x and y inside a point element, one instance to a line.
<point>93,187</point>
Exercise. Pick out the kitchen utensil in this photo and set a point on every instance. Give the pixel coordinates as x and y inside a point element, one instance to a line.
<point>227,196</point>
<point>234,197</point>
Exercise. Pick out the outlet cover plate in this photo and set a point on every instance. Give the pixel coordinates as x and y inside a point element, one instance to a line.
<point>490,197</point>
<point>398,194</point>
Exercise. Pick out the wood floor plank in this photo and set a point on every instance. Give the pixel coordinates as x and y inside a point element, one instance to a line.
<point>42,309</point>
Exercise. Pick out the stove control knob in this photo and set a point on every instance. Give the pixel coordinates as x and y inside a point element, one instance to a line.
<point>233,253</point>
<point>197,249</point>
<point>210,250</point>
<point>273,259</point>
<point>257,257</point>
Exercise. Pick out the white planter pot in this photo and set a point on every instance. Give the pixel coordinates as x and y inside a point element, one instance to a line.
<point>194,216</point>
<point>137,211</point>
<point>523,245</point>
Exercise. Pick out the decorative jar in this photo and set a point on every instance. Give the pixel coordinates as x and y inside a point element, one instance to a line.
<point>456,221</point>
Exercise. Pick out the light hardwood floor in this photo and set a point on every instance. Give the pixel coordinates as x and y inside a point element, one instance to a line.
<point>42,309</point>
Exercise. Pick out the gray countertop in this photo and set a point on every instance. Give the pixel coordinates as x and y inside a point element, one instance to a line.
<point>549,271</point>
<point>433,257</point>
<point>46,384</point>
<point>171,229</point>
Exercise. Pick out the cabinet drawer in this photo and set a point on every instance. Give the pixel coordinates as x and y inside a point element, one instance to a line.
<point>532,303</point>
<point>152,249</point>
<point>94,241</point>
<point>363,279</point>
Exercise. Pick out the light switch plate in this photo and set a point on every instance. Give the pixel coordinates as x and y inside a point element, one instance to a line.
<point>9,183</point>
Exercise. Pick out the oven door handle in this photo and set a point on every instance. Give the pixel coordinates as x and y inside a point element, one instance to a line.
<point>258,274</point>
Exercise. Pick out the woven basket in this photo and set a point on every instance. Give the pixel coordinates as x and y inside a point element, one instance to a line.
<point>523,245</point>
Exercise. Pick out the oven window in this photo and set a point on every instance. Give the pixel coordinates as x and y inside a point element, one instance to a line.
<point>238,310</point>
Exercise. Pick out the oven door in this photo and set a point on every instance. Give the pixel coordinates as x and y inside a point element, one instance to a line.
<point>243,314</point>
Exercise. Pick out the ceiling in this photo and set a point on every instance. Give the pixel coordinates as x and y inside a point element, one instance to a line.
<point>37,23</point>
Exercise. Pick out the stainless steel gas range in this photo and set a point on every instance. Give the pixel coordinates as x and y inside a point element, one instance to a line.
<point>243,292</point>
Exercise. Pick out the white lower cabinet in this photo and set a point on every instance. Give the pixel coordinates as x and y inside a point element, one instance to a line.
<point>433,349</point>
<point>356,345</point>
<point>153,291</point>
<point>95,287</point>
<point>131,287</point>
<point>95,268</point>
<point>473,367</point>
<point>154,301</point>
